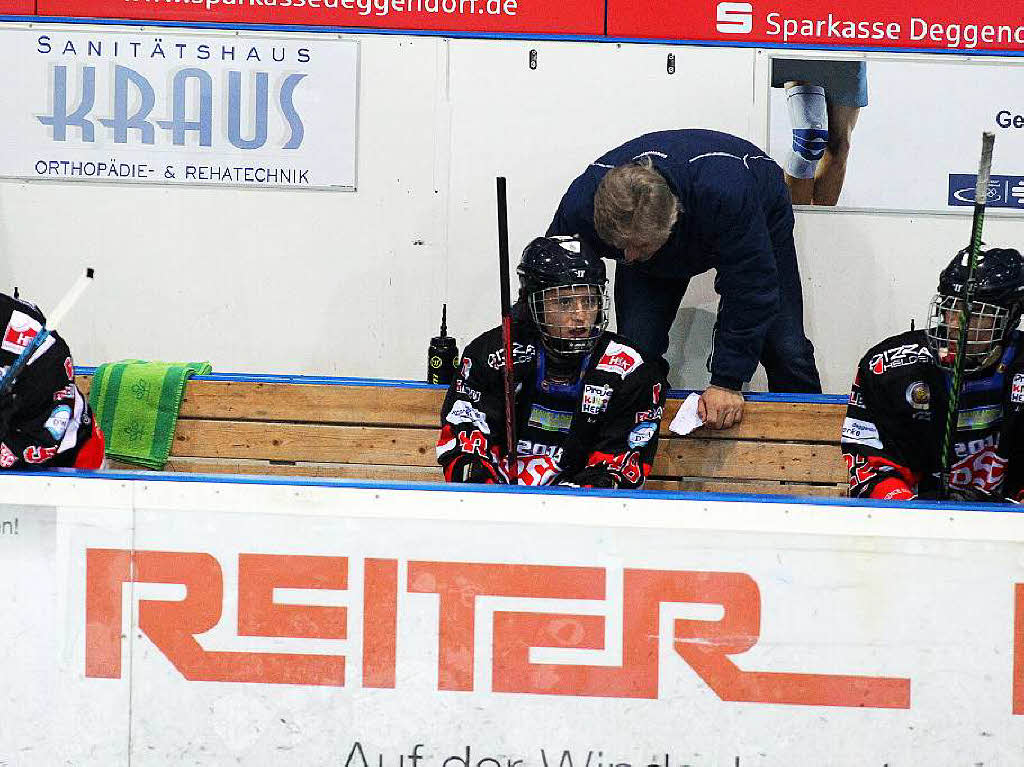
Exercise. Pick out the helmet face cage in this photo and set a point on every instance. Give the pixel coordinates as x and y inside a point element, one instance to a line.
<point>570,318</point>
<point>989,324</point>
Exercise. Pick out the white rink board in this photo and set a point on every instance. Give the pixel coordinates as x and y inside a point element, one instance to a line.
<point>790,616</point>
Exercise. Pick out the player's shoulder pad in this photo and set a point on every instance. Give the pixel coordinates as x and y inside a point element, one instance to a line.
<point>20,321</point>
<point>486,342</point>
<point>489,347</point>
<point>897,352</point>
<point>9,305</point>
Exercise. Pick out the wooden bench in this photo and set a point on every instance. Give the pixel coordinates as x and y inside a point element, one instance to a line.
<point>357,428</point>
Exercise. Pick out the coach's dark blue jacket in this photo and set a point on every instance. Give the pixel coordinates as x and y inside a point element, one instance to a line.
<point>734,203</point>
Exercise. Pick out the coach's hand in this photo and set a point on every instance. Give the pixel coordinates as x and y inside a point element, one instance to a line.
<point>720,408</point>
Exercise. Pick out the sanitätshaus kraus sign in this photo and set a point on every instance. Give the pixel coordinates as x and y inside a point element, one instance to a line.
<point>201,108</point>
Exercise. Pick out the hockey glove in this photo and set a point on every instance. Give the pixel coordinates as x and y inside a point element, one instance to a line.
<point>964,495</point>
<point>974,495</point>
<point>472,470</point>
<point>592,476</point>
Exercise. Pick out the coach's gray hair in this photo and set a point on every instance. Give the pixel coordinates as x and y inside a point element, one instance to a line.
<point>634,204</point>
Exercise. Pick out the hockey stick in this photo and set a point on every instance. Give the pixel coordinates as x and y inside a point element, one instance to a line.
<point>506,335</point>
<point>980,197</point>
<point>63,307</point>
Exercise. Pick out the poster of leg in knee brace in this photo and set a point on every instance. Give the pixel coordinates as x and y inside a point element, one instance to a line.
<point>881,133</point>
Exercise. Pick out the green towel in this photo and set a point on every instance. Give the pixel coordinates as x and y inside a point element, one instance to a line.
<point>136,404</point>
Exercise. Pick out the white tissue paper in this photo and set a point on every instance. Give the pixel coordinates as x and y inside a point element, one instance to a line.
<point>686,419</point>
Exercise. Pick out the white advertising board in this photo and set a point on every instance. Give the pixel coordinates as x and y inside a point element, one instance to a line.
<point>915,146</point>
<point>28,633</point>
<point>206,108</point>
<point>372,626</point>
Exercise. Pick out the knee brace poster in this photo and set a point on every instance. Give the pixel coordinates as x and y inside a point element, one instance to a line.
<point>886,134</point>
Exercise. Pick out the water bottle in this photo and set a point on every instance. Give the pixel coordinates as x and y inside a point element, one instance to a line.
<point>443,354</point>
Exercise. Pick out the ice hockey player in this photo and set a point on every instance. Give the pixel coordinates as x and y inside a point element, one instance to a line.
<point>45,421</point>
<point>893,433</point>
<point>587,405</point>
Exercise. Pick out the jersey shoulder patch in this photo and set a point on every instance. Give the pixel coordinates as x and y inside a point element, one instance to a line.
<point>620,358</point>
<point>897,352</point>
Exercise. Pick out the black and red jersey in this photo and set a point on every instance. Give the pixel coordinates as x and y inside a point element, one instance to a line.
<point>896,418</point>
<point>45,421</point>
<point>601,429</point>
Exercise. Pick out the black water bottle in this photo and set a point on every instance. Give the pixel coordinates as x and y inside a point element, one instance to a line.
<point>443,354</point>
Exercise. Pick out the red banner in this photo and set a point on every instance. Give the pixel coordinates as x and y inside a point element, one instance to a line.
<point>576,17</point>
<point>947,24</point>
<point>17,7</point>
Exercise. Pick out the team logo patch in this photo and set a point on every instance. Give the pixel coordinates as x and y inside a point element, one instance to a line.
<point>620,359</point>
<point>550,420</point>
<point>463,412</point>
<point>520,355</point>
<point>20,331</point>
<point>919,396</point>
<point>466,390</point>
<point>654,414</point>
<point>596,398</point>
<point>979,417</point>
<point>467,365</point>
<point>1017,388</point>
<point>68,392</point>
<point>58,421</point>
<point>642,434</point>
<point>7,458</point>
<point>901,356</point>
<point>36,454</point>
<point>861,433</point>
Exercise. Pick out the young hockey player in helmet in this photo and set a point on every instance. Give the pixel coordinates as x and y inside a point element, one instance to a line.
<point>45,422</point>
<point>895,422</point>
<point>588,406</point>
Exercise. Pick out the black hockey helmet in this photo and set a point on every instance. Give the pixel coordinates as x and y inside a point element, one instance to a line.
<point>996,305</point>
<point>563,284</point>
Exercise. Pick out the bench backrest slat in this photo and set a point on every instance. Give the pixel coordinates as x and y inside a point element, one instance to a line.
<point>745,459</point>
<point>197,438</point>
<point>776,422</point>
<point>310,403</point>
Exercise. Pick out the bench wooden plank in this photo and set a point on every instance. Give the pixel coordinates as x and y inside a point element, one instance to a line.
<point>304,442</point>
<point>299,469</point>
<point>750,460</point>
<point>775,421</point>
<point>312,403</point>
<point>739,486</point>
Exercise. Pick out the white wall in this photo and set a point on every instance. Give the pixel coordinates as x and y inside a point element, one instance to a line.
<point>351,283</point>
